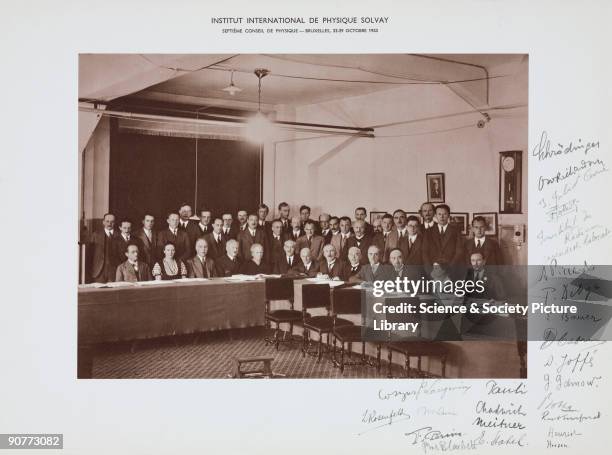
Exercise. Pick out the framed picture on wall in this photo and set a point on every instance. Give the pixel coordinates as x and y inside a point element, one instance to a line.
<point>461,220</point>
<point>510,178</point>
<point>376,216</point>
<point>435,187</point>
<point>491,220</point>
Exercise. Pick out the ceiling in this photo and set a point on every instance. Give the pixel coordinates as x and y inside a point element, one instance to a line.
<point>298,79</point>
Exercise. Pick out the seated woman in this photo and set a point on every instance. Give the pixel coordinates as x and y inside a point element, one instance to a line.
<point>255,266</point>
<point>169,268</point>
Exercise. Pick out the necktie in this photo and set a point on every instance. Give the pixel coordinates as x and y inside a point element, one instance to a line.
<point>290,261</point>
<point>478,244</point>
<point>308,241</point>
<point>410,243</point>
<point>174,232</point>
<point>127,237</point>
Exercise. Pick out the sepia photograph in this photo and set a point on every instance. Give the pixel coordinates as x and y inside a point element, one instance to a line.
<point>233,209</point>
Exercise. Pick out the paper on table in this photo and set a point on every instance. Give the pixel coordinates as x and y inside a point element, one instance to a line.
<point>150,283</point>
<point>189,280</point>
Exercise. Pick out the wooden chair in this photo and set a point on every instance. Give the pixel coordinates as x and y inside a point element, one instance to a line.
<point>317,296</point>
<point>280,289</point>
<point>416,346</point>
<point>347,301</point>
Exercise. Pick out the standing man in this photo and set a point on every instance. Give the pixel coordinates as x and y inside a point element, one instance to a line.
<point>241,222</point>
<point>228,221</point>
<point>311,241</point>
<point>147,239</point>
<point>305,216</point>
<point>324,228</point>
<point>248,236</point>
<point>201,266</point>
<point>381,239</point>
<point>205,224</point>
<point>296,228</point>
<point>443,242</point>
<point>480,243</point>
<point>361,215</point>
<point>398,237</point>
<point>175,235</point>
<point>189,226</point>
<point>262,214</point>
<point>276,242</point>
<point>283,216</point>
<point>340,240</point>
<point>121,242</point>
<point>361,240</point>
<point>216,240</point>
<point>427,213</point>
<point>104,262</point>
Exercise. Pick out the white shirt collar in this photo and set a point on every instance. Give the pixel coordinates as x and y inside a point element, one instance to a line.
<point>445,227</point>
<point>482,240</point>
<point>412,238</point>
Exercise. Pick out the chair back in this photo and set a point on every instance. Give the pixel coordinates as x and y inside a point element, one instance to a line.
<point>316,296</point>
<point>347,301</point>
<point>279,289</point>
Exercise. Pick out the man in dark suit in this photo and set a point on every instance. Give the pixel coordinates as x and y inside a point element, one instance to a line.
<point>262,215</point>
<point>412,247</point>
<point>307,266</point>
<point>382,238</point>
<point>487,246</point>
<point>275,244</point>
<point>132,269</point>
<point>283,216</point>
<point>398,236</point>
<point>375,270</point>
<point>353,265</point>
<point>323,229</point>
<point>311,241</point>
<point>188,225</point>
<point>205,224</point>
<point>493,287</point>
<point>124,238</point>
<point>241,222</point>
<point>305,217</point>
<point>228,264</point>
<point>104,263</point>
<point>360,215</point>
<point>201,266</point>
<point>289,261</point>
<point>331,267</point>
<point>216,240</point>
<point>361,240</point>
<point>402,270</point>
<point>247,237</point>
<point>147,239</point>
<point>228,226</point>
<point>175,235</point>
<point>428,211</point>
<point>443,242</point>
<point>340,240</point>
<point>296,229</point>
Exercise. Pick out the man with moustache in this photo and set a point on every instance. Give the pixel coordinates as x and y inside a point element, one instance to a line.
<point>229,263</point>
<point>276,242</point>
<point>307,266</point>
<point>249,236</point>
<point>289,261</point>
<point>331,267</point>
<point>188,225</point>
<point>340,240</point>
<point>382,238</point>
<point>133,270</point>
<point>324,228</point>
<point>361,240</point>
<point>427,213</point>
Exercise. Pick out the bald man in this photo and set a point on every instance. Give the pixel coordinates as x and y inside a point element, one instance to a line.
<point>375,270</point>
<point>288,261</point>
<point>229,263</point>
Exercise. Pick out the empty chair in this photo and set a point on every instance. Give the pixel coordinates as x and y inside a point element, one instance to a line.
<point>280,289</point>
<point>347,301</point>
<point>415,346</point>
<point>318,296</point>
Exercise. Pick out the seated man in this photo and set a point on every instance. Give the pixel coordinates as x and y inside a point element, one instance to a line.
<point>229,264</point>
<point>487,246</point>
<point>132,269</point>
<point>256,265</point>
<point>332,267</point>
<point>396,261</point>
<point>307,267</point>
<point>493,287</point>
<point>354,263</point>
<point>375,270</point>
<point>288,261</point>
<point>201,266</point>
<point>311,241</point>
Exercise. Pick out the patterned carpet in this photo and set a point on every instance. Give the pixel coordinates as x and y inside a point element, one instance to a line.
<point>212,356</point>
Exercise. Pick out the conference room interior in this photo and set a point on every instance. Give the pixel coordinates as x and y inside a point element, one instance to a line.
<point>226,133</point>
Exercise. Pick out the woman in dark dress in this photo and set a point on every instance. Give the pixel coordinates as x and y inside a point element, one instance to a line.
<point>256,266</point>
<point>169,268</point>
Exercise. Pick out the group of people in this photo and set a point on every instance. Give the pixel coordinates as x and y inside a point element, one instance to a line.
<point>333,247</point>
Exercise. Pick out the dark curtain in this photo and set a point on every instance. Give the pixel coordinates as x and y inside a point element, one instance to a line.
<point>157,173</point>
